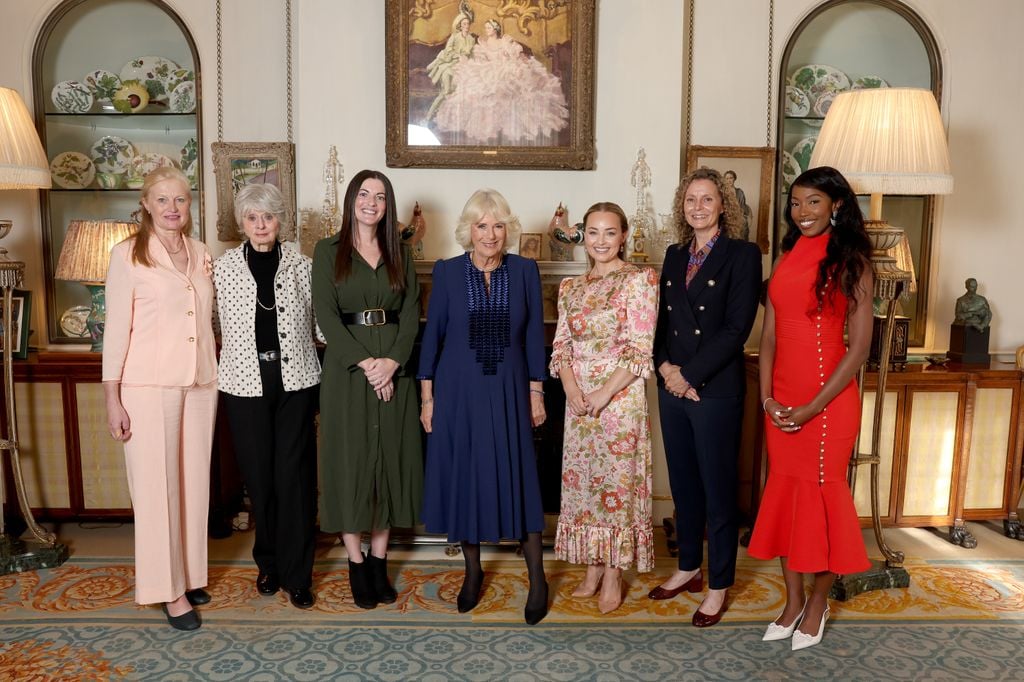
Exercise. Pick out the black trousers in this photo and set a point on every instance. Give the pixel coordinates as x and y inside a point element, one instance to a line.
<point>275,444</point>
<point>701,449</point>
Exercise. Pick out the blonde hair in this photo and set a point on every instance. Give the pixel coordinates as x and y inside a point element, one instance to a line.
<point>730,222</point>
<point>140,249</point>
<point>483,202</point>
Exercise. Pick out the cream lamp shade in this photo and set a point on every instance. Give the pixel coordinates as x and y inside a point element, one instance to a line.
<point>23,162</point>
<point>86,251</point>
<point>886,141</point>
<point>84,258</point>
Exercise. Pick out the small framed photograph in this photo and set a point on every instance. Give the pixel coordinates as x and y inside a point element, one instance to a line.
<point>529,245</point>
<point>21,315</point>
<point>750,170</point>
<point>237,164</point>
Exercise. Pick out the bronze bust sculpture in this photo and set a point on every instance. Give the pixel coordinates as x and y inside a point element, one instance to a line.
<point>972,309</point>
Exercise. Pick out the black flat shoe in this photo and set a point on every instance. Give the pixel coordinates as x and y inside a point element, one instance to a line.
<point>186,621</point>
<point>267,584</point>
<point>197,597</point>
<point>301,598</point>
<point>535,614</point>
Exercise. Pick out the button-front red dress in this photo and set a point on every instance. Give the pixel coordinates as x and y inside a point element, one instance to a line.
<point>807,512</point>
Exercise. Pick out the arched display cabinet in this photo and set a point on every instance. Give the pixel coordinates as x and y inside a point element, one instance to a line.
<point>859,43</point>
<point>143,40</point>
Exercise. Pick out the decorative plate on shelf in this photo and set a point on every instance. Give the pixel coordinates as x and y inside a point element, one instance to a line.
<point>823,104</point>
<point>177,77</point>
<point>153,72</point>
<point>72,170</point>
<point>112,154</point>
<point>183,98</point>
<point>817,79</point>
<point>190,172</point>
<point>71,97</point>
<point>790,170</point>
<point>144,164</point>
<point>189,153</point>
<point>73,322</point>
<point>797,101</point>
<point>103,84</point>
<point>802,151</point>
<point>131,98</point>
<point>868,82</point>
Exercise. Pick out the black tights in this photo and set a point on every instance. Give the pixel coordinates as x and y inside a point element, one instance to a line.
<point>533,551</point>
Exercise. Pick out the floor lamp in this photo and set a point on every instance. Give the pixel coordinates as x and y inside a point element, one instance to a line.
<point>884,141</point>
<point>22,166</point>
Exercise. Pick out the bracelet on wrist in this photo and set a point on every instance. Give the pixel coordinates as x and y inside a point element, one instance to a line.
<point>537,391</point>
<point>764,405</point>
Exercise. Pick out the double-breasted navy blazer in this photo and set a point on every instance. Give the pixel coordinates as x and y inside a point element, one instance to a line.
<point>702,328</point>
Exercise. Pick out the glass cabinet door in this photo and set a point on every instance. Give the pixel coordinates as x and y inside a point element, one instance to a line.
<point>850,44</point>
<point>116,89</point>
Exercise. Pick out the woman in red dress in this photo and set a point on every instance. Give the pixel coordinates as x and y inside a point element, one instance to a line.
<point>822,282</point>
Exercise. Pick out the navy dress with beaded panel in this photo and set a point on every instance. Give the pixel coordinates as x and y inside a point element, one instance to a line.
<point>481,349</point>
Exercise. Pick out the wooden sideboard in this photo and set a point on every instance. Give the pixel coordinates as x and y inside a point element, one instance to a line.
<point>950,449</point>
<point>72,468</point>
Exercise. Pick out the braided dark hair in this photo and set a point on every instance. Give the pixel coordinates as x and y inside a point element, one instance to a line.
<point>849,249</point>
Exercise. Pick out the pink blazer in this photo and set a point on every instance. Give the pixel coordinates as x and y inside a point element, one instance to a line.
<point>159,328</point>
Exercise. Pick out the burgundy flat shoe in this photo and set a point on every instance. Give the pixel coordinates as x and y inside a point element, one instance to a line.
<point>703,620</point>
<point>694,584</point>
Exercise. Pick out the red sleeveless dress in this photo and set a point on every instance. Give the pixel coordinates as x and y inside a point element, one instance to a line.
<point>807,512</point>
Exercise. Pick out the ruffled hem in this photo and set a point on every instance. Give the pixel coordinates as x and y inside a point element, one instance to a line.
<point>814,526</point>
<point>636,361</point>
<point>613,547</point>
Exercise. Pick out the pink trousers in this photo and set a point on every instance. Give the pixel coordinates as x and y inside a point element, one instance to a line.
<point>168,463</point>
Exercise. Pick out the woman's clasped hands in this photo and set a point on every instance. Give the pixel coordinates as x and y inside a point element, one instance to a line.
<point>788,419</point>
<point>379,373</point>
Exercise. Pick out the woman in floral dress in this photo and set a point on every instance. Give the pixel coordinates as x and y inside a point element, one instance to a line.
<point>602,353</point>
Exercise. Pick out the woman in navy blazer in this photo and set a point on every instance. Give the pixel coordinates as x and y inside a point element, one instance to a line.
<point>710,283</point>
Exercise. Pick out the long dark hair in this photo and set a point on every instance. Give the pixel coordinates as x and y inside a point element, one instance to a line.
<point>848,250</point>
<point>387,232</point>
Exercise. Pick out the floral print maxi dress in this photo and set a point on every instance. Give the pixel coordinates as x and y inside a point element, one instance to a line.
<point>603,324</point>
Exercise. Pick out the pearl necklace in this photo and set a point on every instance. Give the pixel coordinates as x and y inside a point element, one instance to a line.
<point>245,253</point>
<point>488,270</point>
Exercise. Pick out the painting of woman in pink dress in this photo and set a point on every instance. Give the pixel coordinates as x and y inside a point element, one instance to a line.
<point>502,96</point>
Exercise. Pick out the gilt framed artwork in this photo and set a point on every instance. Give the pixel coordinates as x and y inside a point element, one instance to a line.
<point>750,170</point>
<point>237,164</point>
<point>490,83</point>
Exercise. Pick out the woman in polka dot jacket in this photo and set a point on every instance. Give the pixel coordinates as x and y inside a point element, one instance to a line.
<point>269,373</point>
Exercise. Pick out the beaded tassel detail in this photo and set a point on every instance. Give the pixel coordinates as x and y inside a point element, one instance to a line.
<point>488,315</point>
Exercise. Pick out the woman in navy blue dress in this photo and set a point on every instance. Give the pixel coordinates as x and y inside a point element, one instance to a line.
<point>482,369</point>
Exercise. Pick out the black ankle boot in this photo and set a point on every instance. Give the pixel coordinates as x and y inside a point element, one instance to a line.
<point>379,577</point>
<point>359,581</point>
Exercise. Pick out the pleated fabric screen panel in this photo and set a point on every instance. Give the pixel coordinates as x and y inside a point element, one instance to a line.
<point>986,472</point>
<point>886,448</point>
<point>930,453</point>
<point>104,482</point>
<point>44,460</point>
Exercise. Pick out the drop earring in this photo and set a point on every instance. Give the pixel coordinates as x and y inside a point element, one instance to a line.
<point>832,220</point>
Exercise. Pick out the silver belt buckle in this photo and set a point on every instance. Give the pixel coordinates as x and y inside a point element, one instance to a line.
<point>268,356</point>
<point>374,317</point>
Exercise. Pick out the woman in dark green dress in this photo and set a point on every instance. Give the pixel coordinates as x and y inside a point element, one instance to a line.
<point>366,300</point>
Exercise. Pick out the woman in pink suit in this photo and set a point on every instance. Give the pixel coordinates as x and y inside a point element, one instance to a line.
<point>160,383</point>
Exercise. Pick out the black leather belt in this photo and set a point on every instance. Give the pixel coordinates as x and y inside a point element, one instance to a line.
<point>373,317</point>
<point>269,356</point>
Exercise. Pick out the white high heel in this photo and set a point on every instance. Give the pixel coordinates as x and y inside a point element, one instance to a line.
<point>802,640</point>
<point>775,632</point>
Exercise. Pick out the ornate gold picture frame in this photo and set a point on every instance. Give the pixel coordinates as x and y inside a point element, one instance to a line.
<point>490,83</point>
<point>237,164</point>
<point>752,168</point>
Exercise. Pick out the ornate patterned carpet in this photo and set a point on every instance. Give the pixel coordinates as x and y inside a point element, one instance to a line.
<point>960,620</point>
